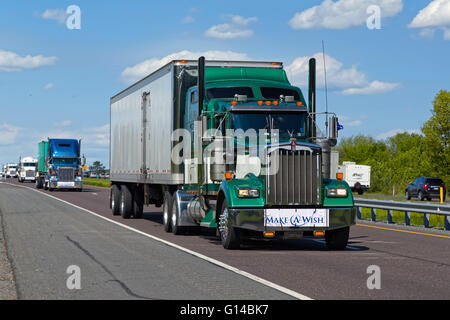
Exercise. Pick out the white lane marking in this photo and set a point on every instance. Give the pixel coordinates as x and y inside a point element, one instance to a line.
<point>196,254</point>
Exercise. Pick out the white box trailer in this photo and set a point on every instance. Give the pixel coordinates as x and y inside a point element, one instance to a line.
<point>357,176</point>
<point>143,118</point>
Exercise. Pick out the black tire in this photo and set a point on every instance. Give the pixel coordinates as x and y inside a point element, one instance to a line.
<point>360,192</point>
<point>407,196</point>
<point>115,200</point>
<point>138,203</point>
<point>337,239</point>
<point>167,211</point>
<point>126,202</point>
<point>420,196</point>
<point>176,228</point>
<point>229,235</point>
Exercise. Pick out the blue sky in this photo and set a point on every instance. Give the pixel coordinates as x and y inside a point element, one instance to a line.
<point>56,82</point>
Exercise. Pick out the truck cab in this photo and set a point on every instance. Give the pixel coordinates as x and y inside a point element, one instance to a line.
<point>27,170</point>
<point>60,165</point>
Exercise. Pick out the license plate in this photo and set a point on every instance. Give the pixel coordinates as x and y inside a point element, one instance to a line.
<point>66,184</point>
<point>296,218</point>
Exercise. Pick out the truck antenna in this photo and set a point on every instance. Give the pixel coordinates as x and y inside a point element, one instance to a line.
<point>326,85</point>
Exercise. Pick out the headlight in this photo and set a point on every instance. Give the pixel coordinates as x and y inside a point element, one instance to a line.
<point>337,193</point>
<point>248,193</point>
<point>53,178</point>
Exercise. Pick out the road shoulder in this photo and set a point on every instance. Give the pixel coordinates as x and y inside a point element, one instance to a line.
<point>7,284</point>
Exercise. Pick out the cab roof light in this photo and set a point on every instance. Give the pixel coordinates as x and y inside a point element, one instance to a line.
<point>268,103</point>
<point>260,102</point>
<point>340,176</point>
<point>299,103</point>
<point>275,103</point>
<point>228,176</point>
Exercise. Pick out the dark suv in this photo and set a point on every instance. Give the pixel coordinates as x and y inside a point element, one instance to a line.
<point>425,188</point>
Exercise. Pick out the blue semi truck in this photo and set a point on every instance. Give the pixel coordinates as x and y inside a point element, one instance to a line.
<point>60,165</point>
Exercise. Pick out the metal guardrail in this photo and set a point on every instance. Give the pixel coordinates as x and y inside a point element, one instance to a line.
<point>407,207</point>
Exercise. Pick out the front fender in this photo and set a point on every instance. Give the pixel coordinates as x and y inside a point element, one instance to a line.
<point>228,190</point>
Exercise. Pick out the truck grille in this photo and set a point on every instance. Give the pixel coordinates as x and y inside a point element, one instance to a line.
<point>297,180</point>
<point>66,174</point>
<point>29,174</point>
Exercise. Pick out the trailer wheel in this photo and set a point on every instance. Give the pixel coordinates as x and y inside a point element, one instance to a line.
<point>138,203</point>
<point>167,210</point>
<point>126,202</point>
<point>175,221</point>
<point>115,200</point>
<point>229,235</point>
<point>45,186</point>
<point>337,239</point>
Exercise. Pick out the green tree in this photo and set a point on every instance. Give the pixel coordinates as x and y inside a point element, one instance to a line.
<point>97,167</point>
<point>437,138</point>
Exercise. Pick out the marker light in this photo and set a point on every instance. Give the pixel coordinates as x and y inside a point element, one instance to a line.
<point>268,103</point>
<point>234,103</point>
<point>260,103</point>
<point>269,234</point>
<point>299,103</point>
<point>275,103</point>
<point>340,176</point>
<point>228,176</point>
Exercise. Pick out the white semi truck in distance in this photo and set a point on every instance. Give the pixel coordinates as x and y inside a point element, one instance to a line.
<point>357,176</point>
<point>11,170</point>
<point>27,170</point>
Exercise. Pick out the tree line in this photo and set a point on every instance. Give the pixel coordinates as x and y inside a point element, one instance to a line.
<point>400,159</point>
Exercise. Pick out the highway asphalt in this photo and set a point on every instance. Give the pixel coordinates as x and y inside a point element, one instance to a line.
<point>45,236</point>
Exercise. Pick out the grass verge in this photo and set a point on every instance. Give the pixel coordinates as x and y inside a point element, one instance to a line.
<point>104,183</point>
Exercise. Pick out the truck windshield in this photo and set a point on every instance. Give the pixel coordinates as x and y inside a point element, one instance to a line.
<point>65,161</point>
<point>29,165</point>
<point>225,93</point>
<point>289,125</point>
<point>275,93</point>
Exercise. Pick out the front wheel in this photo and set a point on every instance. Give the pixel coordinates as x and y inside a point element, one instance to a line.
<point>229,235</point>
<point>407,196</point>
<point>337,239</point>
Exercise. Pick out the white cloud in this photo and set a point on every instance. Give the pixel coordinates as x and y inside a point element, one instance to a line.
<point>188,19</point>
<point>65,123</point>
<point>143,69</point>
<point>59,15</point>
<point>394,132</point>
<point>49,86</point>
<point>348,122</point>
<point>8,134</point>
<point>12,62</point>
<point>342,14</point>
<point>236,28</point>
<point>349,80</point>
<point>374,87</point>
<point>434,16</point>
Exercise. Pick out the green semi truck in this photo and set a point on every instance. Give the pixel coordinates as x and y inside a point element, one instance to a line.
<point>231,146</point>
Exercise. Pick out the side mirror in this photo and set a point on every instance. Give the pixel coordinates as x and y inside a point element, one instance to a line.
<point>334,128</point>
<point>83,161</point>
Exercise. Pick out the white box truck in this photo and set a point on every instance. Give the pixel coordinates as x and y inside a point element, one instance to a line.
<point>357,176</point>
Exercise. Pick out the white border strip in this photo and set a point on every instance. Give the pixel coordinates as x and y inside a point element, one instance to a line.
<point>196,254</point>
